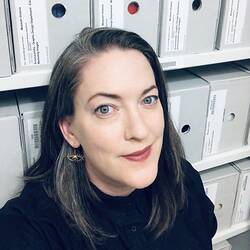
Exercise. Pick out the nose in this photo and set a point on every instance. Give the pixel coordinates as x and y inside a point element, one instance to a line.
<point>135,126</point>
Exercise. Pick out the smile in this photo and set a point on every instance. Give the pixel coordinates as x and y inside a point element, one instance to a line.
<point>140,155</point>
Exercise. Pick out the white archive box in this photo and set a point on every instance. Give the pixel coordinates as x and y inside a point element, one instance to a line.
<point>11,167</point>
<point>6,48</point>
<point>234,24</point>
<point>30,105</point>
<point>188,100</point>
<point>242,202</point>
<point>223,245</point>
<point>241,241</point>
<point>188,26</point>
<point>228,108</point>
<point>141,17</point>
<point>220,185</point>
<point>245,65</point>
<point>42,29</point>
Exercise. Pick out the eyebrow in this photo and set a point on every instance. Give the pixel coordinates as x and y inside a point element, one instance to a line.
<point>117,97</point>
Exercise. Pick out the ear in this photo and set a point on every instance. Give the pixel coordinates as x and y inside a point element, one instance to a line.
<point>68,134</point>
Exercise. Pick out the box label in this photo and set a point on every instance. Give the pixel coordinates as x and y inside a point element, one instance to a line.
<point>111,13</point>
<point>211,191</point>
<point>176,25</point>
<point>217,102</point>
<point>235,21</point>
<point>32,32</point>
<point>174,108</point>
<point>34,139</point>
<point>243,206</point>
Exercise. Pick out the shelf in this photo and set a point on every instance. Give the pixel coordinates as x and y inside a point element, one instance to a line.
<point>193,60</point>
<point>25,79</point>
<point>222,158</point>
<point>37,78</point>
<point>231,232</point>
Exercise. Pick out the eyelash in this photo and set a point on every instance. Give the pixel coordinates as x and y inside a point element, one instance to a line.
<point>108,105</point>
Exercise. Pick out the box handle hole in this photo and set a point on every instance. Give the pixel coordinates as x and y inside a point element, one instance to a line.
<point>133,8</point>
<point>196,5</point>
<point>58,10</point>
<point>185,129</point>
<point>231,117</point>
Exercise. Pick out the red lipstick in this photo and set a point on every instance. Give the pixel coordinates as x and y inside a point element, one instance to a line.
<point>139,155</point>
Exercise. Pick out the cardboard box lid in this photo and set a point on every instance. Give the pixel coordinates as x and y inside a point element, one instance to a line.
<point>30,100</point>
<point>8,105</point>
<point>183,80</point>
<point>244,64</point>
<point>220,72</point>
<point>218,173</point>
<point>222,245</point>
<point>242,165</point>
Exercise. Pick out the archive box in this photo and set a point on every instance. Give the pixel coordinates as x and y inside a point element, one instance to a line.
<point>188,26</point>
<point>220,185</point>
<point>139,16</point>
<point>42,29</point>
<point>30,104</point>
<point>188,100</point>
<point>242,203</point>
<point>227,117</point>
<point>11,167</point>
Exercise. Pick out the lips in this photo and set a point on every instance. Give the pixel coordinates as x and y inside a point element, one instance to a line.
<point>139,155</point>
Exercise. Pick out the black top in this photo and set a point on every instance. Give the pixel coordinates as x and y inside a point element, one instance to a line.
<point>34,222</point>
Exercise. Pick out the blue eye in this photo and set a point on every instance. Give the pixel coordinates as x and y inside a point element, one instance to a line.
<point>103,109</point>
<point>149,100</point>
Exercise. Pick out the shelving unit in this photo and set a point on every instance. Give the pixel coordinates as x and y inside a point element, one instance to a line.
<point>36,78</point>
<point>222,158</point>
<point>193,60</point>
<point>231,232</point>
<point>26,79</point>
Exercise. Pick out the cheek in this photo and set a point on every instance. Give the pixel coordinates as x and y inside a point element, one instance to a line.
<point>99,137</point>
<point>157,122</point>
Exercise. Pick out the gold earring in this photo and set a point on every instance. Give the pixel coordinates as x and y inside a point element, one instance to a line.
<point>74,157</point>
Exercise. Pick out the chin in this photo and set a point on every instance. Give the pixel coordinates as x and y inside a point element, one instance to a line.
<point>144,181</point>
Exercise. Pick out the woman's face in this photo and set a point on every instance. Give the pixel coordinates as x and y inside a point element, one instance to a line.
<point>117,112</point>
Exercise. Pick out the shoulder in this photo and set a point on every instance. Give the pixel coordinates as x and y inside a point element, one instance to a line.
<point>23,220</point>
<point>197,201</point>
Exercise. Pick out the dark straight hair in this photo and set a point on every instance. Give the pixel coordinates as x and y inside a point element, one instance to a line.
<point>69,185</point>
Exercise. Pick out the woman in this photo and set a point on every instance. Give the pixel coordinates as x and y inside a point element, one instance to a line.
<point>111,174</point>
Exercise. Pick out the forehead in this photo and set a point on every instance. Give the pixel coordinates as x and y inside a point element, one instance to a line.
<point>116,71</point>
